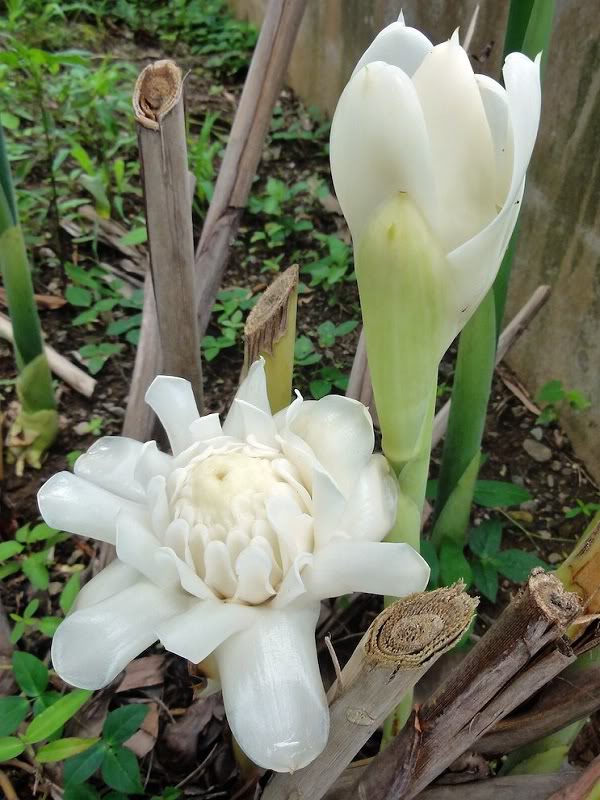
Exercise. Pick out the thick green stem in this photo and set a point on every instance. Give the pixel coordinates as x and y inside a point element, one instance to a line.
<point>412,480</point>
<point>470,395</point>
<point>545,756</point>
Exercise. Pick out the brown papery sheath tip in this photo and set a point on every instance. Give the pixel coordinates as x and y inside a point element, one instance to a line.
<point>157,90</point>
<point>418,627</point>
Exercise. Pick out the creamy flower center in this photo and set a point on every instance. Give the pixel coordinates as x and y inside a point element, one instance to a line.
<point>225,488</point>
<point>246,522</point>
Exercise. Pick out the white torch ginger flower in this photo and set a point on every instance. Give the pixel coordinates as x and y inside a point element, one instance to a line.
<point>227,547</point>
<point>415,119</point>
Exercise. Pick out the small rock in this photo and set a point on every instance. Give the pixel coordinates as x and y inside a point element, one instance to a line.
<point>529,505</point>
<point>538,451</point>
<point>519,480</point>
<point>555,465</point>
<point>537,434</point>
<point>550,481</point>
<point>554,558</point>
<point>545,534</point>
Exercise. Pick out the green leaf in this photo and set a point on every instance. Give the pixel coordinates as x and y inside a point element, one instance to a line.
<point>319,388</point>
<point>78,296</point>
<point>551,393</point>
<point>36,571</point>
<point>517,564</point>
<point>134,237</point>
<point>454,518</point>
<point>44,701</point>
<point>485,540</point>
<point>41,532</point>
<point>9,121</point>
<point>30,673</point>
<point>49,625</point>
<point>52,718</point>
<point>80,792</point>
<point>453,564</point>
<point>485,577</point>
<point>10,747</point>
<point>64,748</point>
<point>9,569</point>
<point>121,771</point>
<point>497,494</point>
<point>79,768</point>
<point>13,711</point>
<point>122,723</point>
<point>10,549</point>
<point>69,593</point>
<point>430,555</point>
<point>83,159</point>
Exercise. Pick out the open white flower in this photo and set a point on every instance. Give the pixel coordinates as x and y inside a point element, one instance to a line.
<point>227,548</point>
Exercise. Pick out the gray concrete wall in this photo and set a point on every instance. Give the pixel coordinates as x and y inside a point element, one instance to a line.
<point>560,233</point>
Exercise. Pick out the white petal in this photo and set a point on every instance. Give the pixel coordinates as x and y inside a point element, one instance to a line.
<point>253,390</point>
<point>272,689</point>
<point>398,45</point>
<point>94,644</point>
<point>372,506</point>
<point>474,265</point>
<point>172,400</point>
<point>219,572</point>
<point>200,630</point>
<point>110,463</point>
<point>522,81</point>
<point>158,503</point>
<point>114,578</point>
<point>328,508</point>
<point>293,527</point>
<point>372,567</point>
<point>339,431</point>
<point>292,586</point>
<point>253,568</point>
<point>190,581</point>
<point>151,462</point>
<point>246,420</point>
<point>138,547</point>
<point>495,104</point>
<point>206,427</point>
<point>461,144</point>
<point>380,146</point>
<point>74,505</point>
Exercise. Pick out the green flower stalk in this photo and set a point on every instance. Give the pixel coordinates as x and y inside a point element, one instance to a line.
<point>428,162</point>
<point>36,425</point>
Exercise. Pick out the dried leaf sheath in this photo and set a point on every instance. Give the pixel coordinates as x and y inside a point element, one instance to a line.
<point>399,647</point>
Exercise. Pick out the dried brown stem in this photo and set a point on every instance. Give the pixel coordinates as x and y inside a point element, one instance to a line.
<point>399,647</point>
<point>159,112</point>
<point>250,126</point>
<point>244,148</point>
<point>518,654</point>
<point>268,320</point>
<point>521,787</point>
<point>583,785</point>
<point>570,696</point>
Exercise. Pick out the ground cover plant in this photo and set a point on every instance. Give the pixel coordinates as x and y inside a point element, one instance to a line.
<point>66,76</point>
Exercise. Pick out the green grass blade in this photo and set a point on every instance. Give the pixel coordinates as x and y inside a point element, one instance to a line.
<point>8,207</point>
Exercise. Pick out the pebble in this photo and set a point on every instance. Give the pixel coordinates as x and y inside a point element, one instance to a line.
<point>555,558</point>
<point>545,535</point>
<point>555,465</point>
<point>538,451</point>
<point>537,434</point>
<point>550,481</point>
